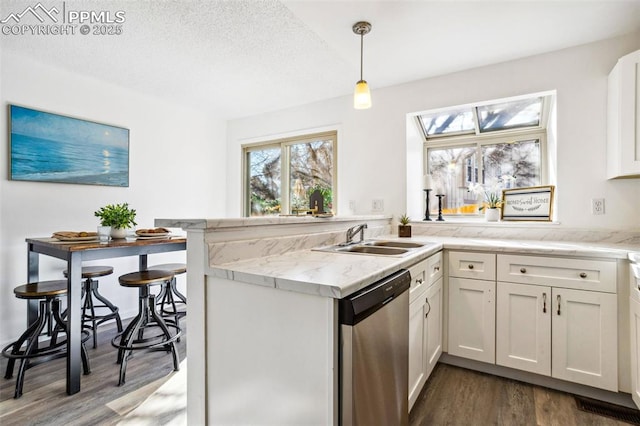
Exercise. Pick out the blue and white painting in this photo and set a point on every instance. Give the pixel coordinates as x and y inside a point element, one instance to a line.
<point>49,147</point>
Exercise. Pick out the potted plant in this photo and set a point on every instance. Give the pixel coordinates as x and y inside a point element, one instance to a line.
<point>118,216</point>
<point>492,197</point>
<point>404,229</point>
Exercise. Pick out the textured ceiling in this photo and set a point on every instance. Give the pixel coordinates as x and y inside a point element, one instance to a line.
<point>238,58</point>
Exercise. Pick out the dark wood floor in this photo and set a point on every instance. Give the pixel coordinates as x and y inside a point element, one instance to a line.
<point>452,396</point>
<point>455,396</point>
<point>100,401</point>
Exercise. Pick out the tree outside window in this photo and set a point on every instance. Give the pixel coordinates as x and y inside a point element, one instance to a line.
<point>301,165</point>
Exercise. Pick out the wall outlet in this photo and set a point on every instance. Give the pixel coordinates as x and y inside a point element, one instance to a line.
<point>377,206</point>
<point>352,206</point>
<point>597,206</point>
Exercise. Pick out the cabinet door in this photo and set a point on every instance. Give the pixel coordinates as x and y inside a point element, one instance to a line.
<point>417,347</point>
<point>434,325</point>
<point>634,315</point>
<point>472,319</point>
<point>585,338</point>
<point>523,327</point>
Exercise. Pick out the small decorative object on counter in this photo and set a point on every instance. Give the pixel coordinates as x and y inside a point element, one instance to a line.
<point>428,186</point>
<point>104,234</point>
<point>440,218</point>
<point>404,229</point>
<point>118,216</point>
<point>492,214</point>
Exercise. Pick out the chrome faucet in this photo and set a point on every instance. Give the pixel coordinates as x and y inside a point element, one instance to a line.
<point>351,232</point>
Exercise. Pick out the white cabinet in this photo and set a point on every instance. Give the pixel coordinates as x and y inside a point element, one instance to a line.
<point>425,322</point>
<point>472,318</point>
<point>623,118</point>
<point>523,327</point>
<point>568,333</point>
<point>634,317</point>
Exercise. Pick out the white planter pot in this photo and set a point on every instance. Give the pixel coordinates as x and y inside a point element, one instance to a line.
<point>118,232</point>
<point>492,215</point>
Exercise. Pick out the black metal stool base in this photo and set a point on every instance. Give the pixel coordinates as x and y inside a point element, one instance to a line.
<point>133,337</point>
<point>28,350</point>
<point>90,318</point>
<point>168,303</point>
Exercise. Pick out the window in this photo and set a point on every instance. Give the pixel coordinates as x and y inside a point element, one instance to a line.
<point>302,165</point>
<point>497,145</point>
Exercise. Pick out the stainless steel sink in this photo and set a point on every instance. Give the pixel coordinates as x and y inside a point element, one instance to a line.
<point>371,249</point>
<point>400,244</point>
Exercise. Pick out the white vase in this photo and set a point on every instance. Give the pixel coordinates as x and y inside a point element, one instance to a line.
<point>118,232</point>
<point>492,215</point>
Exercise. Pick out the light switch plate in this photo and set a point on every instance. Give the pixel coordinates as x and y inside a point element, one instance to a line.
<point>377,205</point>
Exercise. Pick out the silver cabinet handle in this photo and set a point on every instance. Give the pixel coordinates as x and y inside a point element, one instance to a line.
<point>544,303</point>
<point>419,280</point>
<point>470,266</point>
<point>583,275</point>
<point>523,270</point>
<point>558,304</point>
<point>426,299</point>
<point>436,268</point>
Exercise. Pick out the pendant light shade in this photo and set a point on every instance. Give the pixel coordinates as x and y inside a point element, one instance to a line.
<point>361,94</point>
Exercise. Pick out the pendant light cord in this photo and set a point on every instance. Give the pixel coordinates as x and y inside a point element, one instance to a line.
<point>361,54</point>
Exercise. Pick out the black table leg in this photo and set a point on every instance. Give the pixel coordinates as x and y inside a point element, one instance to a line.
<point>33,266</point>
<point>74,321</point>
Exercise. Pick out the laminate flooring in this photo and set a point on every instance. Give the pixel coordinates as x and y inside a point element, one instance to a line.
<point>452,396</point>
<point>456,396</point>
<point>100,401</point>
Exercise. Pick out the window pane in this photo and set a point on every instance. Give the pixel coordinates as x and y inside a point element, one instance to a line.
<point>520,160</point>
<point>452,169</point>
<point>447,122</point>
<point>311,170</point>
<point>509,115</point>
<point>264,181</point>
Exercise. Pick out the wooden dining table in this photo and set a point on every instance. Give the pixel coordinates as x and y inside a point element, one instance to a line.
<point>75,253</point>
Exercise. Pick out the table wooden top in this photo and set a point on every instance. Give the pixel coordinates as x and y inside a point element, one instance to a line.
<point>92,245</point>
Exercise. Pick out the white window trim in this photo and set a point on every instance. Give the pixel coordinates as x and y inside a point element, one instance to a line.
<point>285,170</point>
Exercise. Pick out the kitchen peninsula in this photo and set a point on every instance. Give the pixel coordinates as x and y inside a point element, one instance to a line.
<point>262,318</point>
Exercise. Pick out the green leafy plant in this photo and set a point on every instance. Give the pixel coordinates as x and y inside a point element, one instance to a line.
<point>404,220</point>
<point>117,216</point>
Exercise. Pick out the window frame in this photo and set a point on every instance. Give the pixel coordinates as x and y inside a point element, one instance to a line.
<point>285,167</point>
<point>490,138</point>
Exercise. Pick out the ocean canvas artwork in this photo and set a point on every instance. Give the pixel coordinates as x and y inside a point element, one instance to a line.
<point>48,147</point>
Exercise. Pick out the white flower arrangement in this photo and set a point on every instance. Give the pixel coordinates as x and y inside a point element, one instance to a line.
<point>492,192</point>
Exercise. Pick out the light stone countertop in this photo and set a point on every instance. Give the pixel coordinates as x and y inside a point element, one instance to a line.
<point>337,275</point>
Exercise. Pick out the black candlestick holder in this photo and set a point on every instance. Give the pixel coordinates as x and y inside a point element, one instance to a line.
<point>440,218</point>
<point>426,211</point>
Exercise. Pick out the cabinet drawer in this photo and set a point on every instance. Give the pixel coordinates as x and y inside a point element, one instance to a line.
<point>434,268</point>
<point>419,281</point>
<point>479,266</point>
<point>597,275</point>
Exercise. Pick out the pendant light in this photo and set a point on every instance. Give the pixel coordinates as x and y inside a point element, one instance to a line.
<point>361,95</point>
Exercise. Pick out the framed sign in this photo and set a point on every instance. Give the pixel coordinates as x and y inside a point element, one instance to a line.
<point>47,147</point>
<point>528,204</point>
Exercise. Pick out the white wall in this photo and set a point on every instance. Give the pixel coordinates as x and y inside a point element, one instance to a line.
<point>371,144</point>
<point>177,169</point>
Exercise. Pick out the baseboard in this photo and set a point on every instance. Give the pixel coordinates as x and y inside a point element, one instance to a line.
<point>619,398</point>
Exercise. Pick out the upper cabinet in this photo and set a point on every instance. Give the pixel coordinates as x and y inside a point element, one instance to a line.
<point>623,118</point>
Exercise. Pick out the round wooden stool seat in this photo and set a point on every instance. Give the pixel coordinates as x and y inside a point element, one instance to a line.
<point>143,278</point>
<point>176,268</point>
<point>41,290</point>
<point>94,271</point>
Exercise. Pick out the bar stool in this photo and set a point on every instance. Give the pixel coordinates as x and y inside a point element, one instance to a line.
<point>167,301</point>
<point>28,348</point>
<point>89,292</point>
<point>132,338</point>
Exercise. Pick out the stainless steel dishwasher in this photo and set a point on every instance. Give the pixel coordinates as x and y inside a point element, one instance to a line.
<point>374,353</point>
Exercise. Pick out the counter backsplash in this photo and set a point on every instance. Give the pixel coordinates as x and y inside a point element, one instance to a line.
<point>530,232</point>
